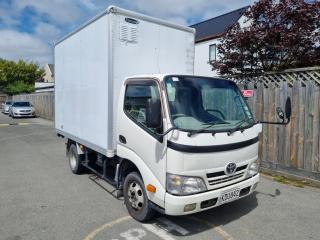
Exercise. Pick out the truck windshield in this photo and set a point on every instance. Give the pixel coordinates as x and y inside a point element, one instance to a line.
<point>206,104</point>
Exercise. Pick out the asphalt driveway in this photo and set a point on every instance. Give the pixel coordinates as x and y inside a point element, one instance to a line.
<point>41,199</point>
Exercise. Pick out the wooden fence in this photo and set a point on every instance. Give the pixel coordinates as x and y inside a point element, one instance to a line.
<point>43,103</point>
<point>294,148</point>
<point>3,98</point>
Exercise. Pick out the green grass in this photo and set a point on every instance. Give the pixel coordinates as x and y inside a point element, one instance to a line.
<point>284,180</point>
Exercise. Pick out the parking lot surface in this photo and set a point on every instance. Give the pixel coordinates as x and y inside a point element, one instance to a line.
<point>41,199</point>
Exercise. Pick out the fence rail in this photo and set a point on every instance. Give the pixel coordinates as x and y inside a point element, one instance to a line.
<point>290,76</point>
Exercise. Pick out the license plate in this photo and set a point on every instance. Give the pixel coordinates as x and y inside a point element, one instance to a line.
<point>229,196</point>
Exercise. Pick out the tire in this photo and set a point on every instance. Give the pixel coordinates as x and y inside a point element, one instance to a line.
<point>136,199</point>
<point>75,160</point>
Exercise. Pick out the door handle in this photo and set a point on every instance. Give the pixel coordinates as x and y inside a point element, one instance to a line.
<point>122,139</point>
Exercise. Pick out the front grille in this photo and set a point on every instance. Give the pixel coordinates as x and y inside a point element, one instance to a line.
<point>222,173</point>
<point>223,178</point>
<point>226,179</point>
<point>24,111</point>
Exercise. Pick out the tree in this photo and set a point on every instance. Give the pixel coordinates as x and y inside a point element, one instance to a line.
<point>277,35</point>
<point>18,77</point>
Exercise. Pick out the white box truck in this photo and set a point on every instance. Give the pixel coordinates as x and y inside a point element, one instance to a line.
<point>133,113</point>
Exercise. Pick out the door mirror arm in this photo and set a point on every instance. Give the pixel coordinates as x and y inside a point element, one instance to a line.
<point>275,123</point>
<point>281,114</point>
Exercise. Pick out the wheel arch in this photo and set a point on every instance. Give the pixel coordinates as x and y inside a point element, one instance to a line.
<point>134,163</point>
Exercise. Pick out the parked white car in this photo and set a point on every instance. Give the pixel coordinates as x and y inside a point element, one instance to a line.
<point>6,107</point>
<point>21,109</point>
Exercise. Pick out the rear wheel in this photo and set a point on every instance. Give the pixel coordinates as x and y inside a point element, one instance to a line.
<point>135,198</point>
<point>75,160</point>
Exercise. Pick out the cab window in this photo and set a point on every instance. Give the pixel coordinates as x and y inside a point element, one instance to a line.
<point>135,102</point>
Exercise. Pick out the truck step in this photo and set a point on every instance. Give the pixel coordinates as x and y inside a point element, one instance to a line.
<point>108,180</point>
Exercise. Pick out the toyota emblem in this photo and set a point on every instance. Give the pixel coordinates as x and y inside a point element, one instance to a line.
<point>231,168</point>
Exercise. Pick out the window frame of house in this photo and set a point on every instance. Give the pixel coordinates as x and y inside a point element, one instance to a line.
<point>215,52</point>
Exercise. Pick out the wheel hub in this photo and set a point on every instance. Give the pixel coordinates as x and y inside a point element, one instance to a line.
<point>73,162</point>
<point>135,195</point>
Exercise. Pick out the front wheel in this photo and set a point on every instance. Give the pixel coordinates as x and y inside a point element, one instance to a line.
<point>135,198</point>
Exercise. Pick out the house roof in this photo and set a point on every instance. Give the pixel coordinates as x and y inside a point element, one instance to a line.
<point>51,67</point>
<point>215,27</point>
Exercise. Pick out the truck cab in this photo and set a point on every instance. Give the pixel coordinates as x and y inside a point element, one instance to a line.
<point>192,140</point>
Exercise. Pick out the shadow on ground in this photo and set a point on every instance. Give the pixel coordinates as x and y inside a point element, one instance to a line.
<point>219,216</point>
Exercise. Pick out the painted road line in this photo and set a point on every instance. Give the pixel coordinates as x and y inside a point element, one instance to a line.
<point>13,124</point>
<point>170,226</point>
<point>133,234</point>
<point>158,231</point>
<point>218,229</point>
<point>92,234</point>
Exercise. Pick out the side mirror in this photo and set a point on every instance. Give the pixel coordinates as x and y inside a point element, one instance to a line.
<point>288,108</point>
<point>280,113</point>
<point>153,113</point>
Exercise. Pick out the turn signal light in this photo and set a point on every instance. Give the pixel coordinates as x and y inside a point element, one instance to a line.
<point>190,207</point>
<point>151,188</point>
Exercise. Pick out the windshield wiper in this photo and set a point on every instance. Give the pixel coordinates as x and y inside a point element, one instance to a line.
<point>210,124</point>
<point>239,124</point>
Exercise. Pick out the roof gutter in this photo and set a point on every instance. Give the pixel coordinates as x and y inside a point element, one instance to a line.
<point>115,9</point>
<point>210,38</point>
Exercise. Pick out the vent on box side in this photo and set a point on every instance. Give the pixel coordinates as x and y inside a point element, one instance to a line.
<point>128,33</point>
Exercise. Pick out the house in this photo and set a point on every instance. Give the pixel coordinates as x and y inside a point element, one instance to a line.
<point>44,87</point>
<point>49,73</point>
<point>208,35</point>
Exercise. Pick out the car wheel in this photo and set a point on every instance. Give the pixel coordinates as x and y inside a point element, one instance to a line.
<point>136,199</point>
<point>75,160</point>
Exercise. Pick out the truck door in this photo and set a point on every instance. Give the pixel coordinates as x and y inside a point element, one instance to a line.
<point>133,132</point>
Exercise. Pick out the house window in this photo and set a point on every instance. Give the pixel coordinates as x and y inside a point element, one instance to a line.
<point>212,52</point>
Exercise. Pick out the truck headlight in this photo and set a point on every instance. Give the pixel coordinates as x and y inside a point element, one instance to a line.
<point>253,168</point>
<point>181,185</point>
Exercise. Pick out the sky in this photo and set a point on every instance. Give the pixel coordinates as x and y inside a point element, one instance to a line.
<point>28,28</point>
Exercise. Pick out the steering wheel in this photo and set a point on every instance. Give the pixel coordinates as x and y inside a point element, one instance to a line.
<point>218,111</point>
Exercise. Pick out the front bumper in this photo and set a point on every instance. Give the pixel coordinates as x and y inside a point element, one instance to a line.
<point>174,205</point>
<point>23,114</point>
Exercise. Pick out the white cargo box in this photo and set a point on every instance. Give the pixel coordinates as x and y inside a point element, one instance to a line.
<point>92,62</point>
